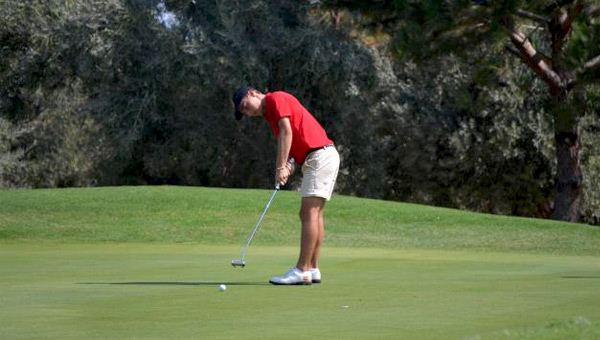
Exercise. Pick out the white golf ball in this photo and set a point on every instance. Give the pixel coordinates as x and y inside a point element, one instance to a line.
<point>222,288</point>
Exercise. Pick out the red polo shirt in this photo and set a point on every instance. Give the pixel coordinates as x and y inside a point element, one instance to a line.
<point>307,133</point>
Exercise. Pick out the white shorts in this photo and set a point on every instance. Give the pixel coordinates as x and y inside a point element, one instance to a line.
<point>319,172</point>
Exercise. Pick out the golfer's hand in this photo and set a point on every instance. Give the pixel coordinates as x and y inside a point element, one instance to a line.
<point>291,166</point>
<point>283,174</point>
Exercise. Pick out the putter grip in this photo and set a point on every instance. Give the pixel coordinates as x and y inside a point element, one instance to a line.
<point>292,161</point>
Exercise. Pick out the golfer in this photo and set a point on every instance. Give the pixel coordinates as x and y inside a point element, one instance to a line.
<point>301,137</point>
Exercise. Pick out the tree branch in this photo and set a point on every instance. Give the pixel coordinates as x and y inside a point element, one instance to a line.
<point>561,26</point>
<point>527,52</point>
<point>590,65</point>
<point>513,50</point>
<point>592,11</point>
<point>463,29</point>
<point>575,11</point>
<point>577,76</point>
<point>535,17</point>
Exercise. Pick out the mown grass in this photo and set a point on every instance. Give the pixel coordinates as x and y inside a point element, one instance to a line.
<point>145,263</point>
<point>150,291</point>
<point>193,215</point>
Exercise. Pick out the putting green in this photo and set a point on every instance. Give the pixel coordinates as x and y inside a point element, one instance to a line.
<point>135,291</point>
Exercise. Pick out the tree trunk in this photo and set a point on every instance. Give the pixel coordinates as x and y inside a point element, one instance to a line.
<point>568,175</point>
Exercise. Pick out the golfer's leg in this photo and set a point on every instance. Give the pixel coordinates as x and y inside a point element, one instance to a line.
<point>309,217</point>
<point>314,262</point>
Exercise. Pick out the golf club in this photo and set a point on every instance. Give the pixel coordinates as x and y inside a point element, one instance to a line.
<point>241,262</point>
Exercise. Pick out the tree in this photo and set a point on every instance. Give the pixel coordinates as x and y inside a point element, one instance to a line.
<point>272,45</point>
<point>556,40</point>
<point>46,139</point>
<point>591,158</point>
<point>139,92</point>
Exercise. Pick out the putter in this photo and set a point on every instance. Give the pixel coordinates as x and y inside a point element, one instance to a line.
<point>241,262</point>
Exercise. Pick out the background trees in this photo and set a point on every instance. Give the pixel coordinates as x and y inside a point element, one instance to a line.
<point>557,41</point>
<point>138,92</point>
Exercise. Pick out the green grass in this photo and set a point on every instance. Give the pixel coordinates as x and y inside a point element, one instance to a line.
<point>226,216</point>
<point>145,263</point>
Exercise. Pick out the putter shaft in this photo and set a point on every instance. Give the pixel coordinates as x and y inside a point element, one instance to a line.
<point>241,262</point>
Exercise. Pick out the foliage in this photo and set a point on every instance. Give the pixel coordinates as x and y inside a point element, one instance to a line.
<point>557,41</point>
<point>155,95</point>
<point>454,141</point>
<point>47,139</point>
<point>591,159</point>
<point>138,92</point>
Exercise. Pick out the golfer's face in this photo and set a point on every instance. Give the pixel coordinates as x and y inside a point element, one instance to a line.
<point>250,105</point>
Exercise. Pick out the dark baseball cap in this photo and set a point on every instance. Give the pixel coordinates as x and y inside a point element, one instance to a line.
<point>239,94</point>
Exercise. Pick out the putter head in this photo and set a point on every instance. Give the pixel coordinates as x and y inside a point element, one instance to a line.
<point>238,263</point>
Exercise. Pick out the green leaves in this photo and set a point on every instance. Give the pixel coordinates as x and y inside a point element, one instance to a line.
<point>106,92</point>
<point>584,45</point>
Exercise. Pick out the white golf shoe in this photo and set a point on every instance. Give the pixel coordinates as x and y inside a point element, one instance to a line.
<point>316,275</point>
<point>293,277</point>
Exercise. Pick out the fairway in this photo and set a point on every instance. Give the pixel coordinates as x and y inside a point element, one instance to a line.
<point>146,263</point>
<point>170,291</point>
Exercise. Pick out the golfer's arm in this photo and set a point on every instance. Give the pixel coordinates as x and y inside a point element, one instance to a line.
<point>284,142</point>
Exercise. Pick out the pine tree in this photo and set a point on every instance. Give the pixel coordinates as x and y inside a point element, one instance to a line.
<point>556,40</point>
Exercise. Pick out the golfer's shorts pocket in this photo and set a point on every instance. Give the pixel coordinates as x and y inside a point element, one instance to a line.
<point>320,171</point>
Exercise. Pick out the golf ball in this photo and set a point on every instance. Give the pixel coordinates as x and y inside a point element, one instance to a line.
<point>222,288</point>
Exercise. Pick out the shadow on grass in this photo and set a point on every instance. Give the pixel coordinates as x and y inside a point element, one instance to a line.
<point>581,277</point>
<point>177,283</point>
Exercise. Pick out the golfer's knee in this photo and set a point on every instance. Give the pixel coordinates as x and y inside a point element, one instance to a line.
<point>308,214</point>
<point>304,214</point>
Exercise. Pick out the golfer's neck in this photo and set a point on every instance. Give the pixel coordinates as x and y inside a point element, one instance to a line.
<point>263,105</point>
